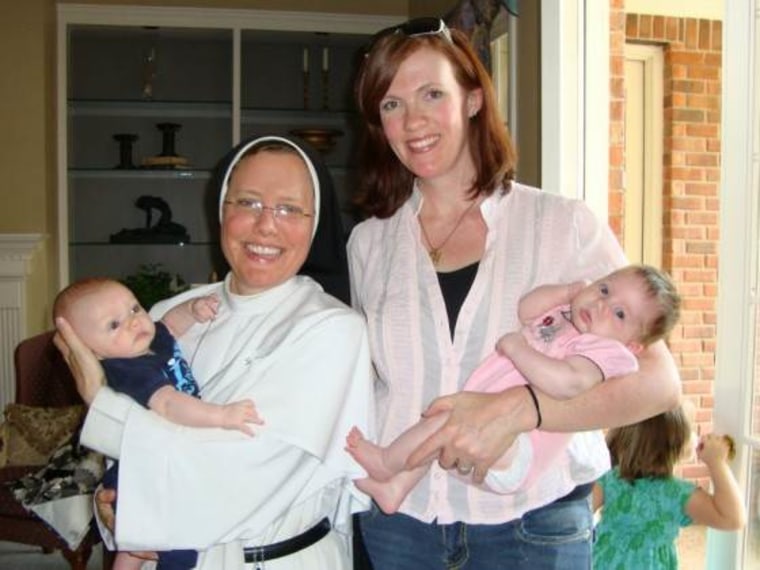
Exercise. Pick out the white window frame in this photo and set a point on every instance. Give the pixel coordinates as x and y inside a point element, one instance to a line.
<point>575,119</point>
<point>737,285</point>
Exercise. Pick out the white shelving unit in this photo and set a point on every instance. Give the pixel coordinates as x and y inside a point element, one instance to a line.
<point>221,75</point>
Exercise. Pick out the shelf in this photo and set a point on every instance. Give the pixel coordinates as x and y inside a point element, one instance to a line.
<point>129,108</point>
<point>158,244</point>
<point>217,89</point>
<point>211,109</point>
<point>141,173</point>
<point>295,119</point>
<point>296,114</point>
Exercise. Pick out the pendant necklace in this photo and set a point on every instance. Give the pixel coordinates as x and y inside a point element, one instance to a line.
<point>435,252</point>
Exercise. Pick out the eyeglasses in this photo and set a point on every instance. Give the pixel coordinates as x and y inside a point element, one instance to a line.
<point>280,212</point>
<point>414,28</point>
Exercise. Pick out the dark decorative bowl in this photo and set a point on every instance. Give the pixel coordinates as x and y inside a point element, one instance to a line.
<point>321,139</point>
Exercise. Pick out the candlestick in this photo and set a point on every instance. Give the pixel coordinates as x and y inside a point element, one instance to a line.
<point>325,89</point>
<point>325,78</point>
<point>125,141</point>
<point>305,88</point>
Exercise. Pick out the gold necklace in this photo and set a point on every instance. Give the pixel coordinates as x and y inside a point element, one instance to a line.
<point>435,252</point>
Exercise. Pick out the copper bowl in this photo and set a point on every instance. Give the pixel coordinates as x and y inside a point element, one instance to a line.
<point>321,139</point>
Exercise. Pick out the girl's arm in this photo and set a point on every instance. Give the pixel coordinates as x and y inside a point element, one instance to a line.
<point>722,509</point>
<point>183,409</point>
<point>558,378</point>
<point>539,300</point>
<point>597,497</point>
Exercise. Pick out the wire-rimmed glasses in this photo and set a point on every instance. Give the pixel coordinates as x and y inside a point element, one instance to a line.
<point>280,212</point>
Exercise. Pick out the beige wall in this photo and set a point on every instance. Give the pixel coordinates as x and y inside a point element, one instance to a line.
<point>706,9</point>
<point>27,144</point>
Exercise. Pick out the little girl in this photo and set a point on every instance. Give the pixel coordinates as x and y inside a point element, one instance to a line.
<point>645,506</point>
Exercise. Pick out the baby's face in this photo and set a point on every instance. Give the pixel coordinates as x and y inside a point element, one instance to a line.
<point>615,307</point>
<point>112,323</point>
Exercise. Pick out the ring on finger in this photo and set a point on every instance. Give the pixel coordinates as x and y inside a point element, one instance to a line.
<point>464,469</point>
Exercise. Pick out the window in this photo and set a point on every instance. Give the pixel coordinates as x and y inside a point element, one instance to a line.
<point>737,383</point>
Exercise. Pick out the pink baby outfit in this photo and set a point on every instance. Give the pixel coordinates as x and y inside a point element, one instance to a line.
<point>554,335</point>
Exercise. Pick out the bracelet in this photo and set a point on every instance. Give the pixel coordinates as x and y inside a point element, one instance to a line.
<point>535,404</point>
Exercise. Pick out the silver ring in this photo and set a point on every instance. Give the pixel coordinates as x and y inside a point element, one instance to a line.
<point>464,469</point>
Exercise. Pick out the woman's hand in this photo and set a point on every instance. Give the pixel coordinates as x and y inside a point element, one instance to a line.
<point>104,503</point>
<point>480,429</point>
<point>84,366</point>
<point>104,500</point>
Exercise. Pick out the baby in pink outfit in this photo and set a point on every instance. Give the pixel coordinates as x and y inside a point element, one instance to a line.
<point>573,337</point>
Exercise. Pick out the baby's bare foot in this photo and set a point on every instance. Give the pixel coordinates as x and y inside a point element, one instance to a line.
<point>368,455</point>
<point>386,495</point>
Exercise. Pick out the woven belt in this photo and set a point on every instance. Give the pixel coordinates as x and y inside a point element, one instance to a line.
<point>289,546</point>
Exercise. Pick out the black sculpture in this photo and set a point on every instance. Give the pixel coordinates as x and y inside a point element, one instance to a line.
<point>164,231</point>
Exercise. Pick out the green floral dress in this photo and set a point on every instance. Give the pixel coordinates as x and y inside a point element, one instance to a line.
<point>640,523</point>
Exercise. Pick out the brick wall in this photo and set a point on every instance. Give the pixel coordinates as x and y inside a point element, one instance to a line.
<point>691,178</point>
<point>617,117</point>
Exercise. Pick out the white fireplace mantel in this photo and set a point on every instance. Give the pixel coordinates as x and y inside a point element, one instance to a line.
<point>16,254</point>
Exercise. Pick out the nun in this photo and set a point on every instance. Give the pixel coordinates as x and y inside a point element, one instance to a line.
<point>283,499</point>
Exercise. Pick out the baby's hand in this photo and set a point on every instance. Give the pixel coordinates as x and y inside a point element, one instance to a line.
<point>713,448</point>
<point>204,308</point>
<point>576,287</point>
<point>506,344</point>
<point>238,415</point>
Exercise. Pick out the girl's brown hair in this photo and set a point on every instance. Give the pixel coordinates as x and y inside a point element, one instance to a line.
<point>385,182</point>
<point>650,448</point>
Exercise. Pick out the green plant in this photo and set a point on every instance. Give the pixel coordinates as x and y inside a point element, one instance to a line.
<point>151,284</point>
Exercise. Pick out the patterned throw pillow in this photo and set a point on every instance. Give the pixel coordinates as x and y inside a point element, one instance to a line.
<point>31,433</point>
<point>60,493</point>
<point>72,470</point>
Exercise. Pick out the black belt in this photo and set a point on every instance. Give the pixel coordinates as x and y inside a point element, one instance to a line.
<point>580,492</point>
<point>289,546</point>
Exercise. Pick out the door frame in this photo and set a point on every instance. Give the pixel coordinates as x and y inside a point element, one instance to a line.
<point>648,201</point>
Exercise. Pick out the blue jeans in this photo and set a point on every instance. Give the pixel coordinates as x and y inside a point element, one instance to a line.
<point>552,537</point>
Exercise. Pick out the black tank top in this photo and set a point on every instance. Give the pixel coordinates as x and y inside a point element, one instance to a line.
<point>455,285</point>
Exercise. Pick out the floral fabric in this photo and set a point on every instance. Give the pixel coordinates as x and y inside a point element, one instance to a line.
<point>31,433</point>
<point>60,493</point>
<point>640,523</point>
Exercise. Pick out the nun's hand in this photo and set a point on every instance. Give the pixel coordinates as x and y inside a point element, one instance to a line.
<point>84,365</point>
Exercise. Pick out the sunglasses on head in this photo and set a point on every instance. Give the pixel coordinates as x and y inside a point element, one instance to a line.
<point>414,28</point>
